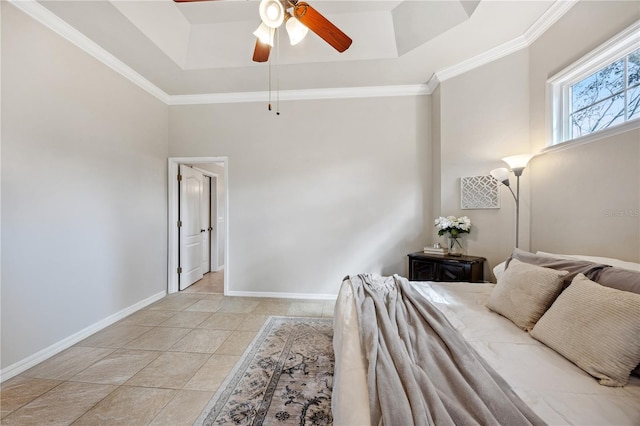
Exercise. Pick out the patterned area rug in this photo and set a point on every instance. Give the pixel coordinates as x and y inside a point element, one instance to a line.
<point>285,377</point>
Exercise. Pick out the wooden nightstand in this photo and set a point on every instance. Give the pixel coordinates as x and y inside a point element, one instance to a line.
<point>436,267</point>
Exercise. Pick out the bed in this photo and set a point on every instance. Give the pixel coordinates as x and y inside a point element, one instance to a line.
<point>553,387</point>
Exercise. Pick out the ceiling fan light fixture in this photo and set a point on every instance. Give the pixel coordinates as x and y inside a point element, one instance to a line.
<point>272,13</point>
<point>297,30</point>
<point>265,34</point>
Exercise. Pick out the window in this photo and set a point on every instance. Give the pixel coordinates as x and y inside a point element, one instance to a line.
<point>599,92</point>
<point>608,97</point>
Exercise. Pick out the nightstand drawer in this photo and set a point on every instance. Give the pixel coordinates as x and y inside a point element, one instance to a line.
<point>454,272</point>
<point>422,271</point>
<point>434,267</point>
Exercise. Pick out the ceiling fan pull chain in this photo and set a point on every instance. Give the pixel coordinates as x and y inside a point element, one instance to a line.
<point>269,83</point>
<point>278,71</point>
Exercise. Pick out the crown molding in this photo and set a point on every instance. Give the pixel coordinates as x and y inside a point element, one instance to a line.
<point>53,22</point>
<point>60,27</point>
<point>57,25</point>
<point>307,94</point>
<point>548,18</point>
<point>491,55</point>
<point>433,83</point>
<point>542,24</point>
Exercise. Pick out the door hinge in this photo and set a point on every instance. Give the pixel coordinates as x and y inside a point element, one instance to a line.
<point>179,224</point>
<point>179,270</point>
<point>179,177</point>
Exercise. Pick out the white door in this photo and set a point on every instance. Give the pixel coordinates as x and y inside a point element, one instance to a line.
<point>190,235</point>
<point>205,223</point>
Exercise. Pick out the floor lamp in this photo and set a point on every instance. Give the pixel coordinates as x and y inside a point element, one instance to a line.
<point>517,163</point>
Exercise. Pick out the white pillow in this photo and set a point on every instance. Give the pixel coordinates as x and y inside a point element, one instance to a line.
<point>498,270</point>
<point>597,259</point>
<point>595,327</point>
<point>524,292</point>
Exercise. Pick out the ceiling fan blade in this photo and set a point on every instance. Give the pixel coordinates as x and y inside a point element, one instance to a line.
<point>320,25</point>
<point>261,51</point>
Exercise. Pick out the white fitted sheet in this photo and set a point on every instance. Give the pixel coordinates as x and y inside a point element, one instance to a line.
<point>557,390</point>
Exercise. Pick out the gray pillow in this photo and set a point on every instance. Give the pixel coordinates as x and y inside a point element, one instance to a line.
<point>524,292</point>
<point>609,276</point>
<point>574,267</point>
<point>595,327</point>
<point>618,278</point>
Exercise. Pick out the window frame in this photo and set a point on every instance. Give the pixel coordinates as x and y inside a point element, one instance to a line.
<point>559,88</point>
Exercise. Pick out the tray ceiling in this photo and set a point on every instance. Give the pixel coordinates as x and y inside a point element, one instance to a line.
<point>206,47</point>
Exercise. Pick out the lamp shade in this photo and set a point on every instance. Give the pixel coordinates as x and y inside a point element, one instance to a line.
<point>518,161</point>
<point>296,30</point>
<point>272,13</point>
<point>265,34</point>
<point>501,175</point>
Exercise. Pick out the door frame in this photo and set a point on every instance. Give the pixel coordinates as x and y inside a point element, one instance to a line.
<point>213,245</point>
<point>172,225</point>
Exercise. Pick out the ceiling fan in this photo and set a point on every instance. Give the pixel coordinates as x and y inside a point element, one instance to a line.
<point>298,17</point>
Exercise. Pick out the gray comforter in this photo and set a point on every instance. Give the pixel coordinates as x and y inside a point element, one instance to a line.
<point>420,370</point>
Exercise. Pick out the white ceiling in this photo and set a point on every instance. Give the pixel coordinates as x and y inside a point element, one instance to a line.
<point>206,47</point>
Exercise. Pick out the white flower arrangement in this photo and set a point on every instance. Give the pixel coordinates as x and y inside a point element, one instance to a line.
<point>453,226</point>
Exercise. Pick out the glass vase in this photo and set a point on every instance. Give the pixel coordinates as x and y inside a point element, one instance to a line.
<point>455,246</point>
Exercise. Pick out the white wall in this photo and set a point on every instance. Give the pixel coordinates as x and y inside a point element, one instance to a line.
<point>221,204</point>
<point>326,189</point>
<point>584,200</point>
<point>436,155</point>
<point>83,190</point>
<point>485,117</point>
<point>567,197</point>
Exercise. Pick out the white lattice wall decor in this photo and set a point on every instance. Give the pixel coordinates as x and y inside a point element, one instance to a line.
<point>479,192</point>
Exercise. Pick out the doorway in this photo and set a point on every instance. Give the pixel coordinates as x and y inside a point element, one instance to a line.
<point>212,255</point>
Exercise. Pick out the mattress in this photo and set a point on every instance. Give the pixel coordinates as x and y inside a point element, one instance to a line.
<point>556,389</point>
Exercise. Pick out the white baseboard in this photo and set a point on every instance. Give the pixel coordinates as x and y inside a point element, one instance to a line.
<point>314,296</point>
<point>23,365</point>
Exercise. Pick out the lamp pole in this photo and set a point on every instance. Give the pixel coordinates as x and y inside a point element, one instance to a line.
<point>517,208</point>
<point>518,172</point>
<point>517,200</point>
<point>517,164</point>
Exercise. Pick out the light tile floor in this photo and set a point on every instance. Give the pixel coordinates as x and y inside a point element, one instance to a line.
<point>158,366</point>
